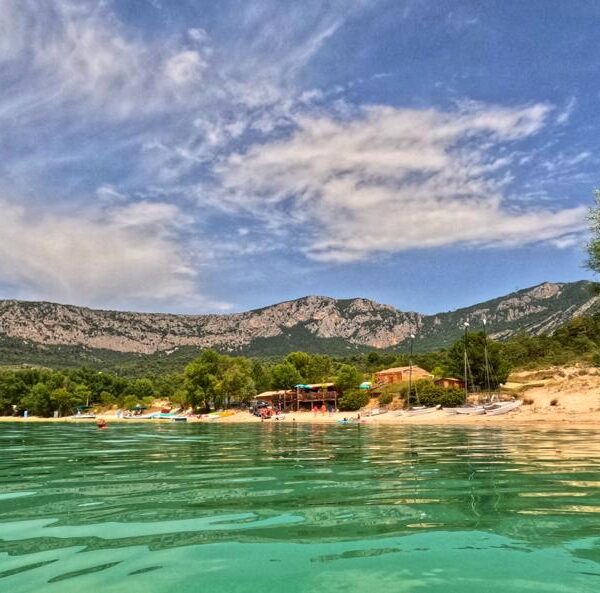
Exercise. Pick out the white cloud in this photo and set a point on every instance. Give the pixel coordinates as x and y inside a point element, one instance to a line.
<point>76,52</point>
<point>89,260</point>
<point>185,67</point>
<point>394,180</point>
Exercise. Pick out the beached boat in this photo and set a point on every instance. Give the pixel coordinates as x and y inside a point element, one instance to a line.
<point>418,411</point>
<point>376,412</point>
<point>83,416</point>
<point>468,410</point>
<point>502,407</point>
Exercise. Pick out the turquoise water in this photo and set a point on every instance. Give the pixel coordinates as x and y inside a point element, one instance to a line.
<point>169,508</point>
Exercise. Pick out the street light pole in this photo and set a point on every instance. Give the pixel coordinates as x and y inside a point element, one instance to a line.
<point>466,361</point>
<point>410,356</point>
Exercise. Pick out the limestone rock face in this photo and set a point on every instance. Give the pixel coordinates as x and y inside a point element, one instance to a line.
<point>360,321</point>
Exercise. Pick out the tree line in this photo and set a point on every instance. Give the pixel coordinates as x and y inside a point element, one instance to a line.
<point>214,380</point>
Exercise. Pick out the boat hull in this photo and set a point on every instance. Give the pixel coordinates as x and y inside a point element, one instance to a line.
<point>418,411</point>
<point>503,408</point>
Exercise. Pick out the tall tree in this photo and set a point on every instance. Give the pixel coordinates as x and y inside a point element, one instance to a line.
<point>348,377</point>
<point>593,246</point>
<point>285,376</point>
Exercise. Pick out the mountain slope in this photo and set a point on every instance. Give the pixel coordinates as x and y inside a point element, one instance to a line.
<point>311,323</point>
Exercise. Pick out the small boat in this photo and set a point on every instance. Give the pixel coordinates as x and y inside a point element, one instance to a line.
<point>377,412</point>
<point>83,416</point>
<point>179,418</point>
<point>469,410</point>
<point>502,407</point>
<point>418,411</point>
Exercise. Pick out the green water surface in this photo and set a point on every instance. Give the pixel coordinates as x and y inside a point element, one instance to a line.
<point>298,508</point>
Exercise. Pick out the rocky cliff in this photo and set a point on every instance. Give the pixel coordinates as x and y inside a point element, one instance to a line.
<point>294,324</point>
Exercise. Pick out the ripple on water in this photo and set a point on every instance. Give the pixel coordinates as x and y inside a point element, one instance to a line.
<point>163,508</point>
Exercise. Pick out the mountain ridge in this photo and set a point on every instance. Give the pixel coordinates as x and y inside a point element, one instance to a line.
<point>313,322</point>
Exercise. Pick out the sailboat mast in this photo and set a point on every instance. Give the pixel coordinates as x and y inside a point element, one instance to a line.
<point>466,361</point>
<point>410,356</point>
<point>486,358</point>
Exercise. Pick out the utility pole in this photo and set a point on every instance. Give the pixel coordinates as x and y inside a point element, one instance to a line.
<point>466,361</point>
<point>410,356</point>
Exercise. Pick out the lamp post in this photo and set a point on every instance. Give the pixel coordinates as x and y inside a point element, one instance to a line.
<point>466,360</point>
<point>412,337</point>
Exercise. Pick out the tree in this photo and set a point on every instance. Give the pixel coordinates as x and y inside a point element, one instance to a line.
<point>285,376</point>
<point>261,375</point>
<point>593,246</point>
<point>201,379</point>
<point>12,389</point>
<point>37,401</point>
<point>498,364</point>
<point>348,377</point>
<point>142,388</point>
<point>65,400</point>
<point>319,369</point>
<point>354,400</point>
<point>237,383</point>
<point>300,360</point>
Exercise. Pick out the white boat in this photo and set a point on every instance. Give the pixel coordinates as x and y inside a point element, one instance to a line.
<point>468,410</point>
<point>377,412</point>
<point>502,407</point>
<point>83,416</point>
<point>418,411</point>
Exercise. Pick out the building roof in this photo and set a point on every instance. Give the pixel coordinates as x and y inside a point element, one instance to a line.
<point>395,370</point>
<point>266,394</point>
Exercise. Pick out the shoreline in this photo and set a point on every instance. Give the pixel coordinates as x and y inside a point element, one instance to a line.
<point>520,418</point>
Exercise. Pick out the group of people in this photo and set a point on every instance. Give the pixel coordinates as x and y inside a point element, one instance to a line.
<point>323,409</point>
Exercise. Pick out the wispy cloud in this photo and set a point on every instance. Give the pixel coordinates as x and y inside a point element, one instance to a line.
<point>396,179</point>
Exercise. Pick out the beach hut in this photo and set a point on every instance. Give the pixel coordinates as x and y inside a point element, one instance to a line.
<point>316,394</point>
<point>450,383</point>
<point>400,374</point>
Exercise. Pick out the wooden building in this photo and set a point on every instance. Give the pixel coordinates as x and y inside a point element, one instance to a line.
<point>450,383</point>
<point>400,374</point>
<point>316,394</point>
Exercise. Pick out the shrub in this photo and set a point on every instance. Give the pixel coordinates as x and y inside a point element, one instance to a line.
<point>386,399</point>
<point>527,401</point>
<point>353,400</point>
<point>554,402</point>
<point>430,394</point>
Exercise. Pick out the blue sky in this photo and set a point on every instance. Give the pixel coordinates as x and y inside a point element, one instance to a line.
<point>195,156</point>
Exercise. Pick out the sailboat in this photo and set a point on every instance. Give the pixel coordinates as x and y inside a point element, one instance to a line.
<point>495,408</point>
<point>469,409</point>
<point>414,410</point>
<point>491,407</point>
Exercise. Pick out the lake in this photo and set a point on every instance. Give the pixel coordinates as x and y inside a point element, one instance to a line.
<point>284,507</point>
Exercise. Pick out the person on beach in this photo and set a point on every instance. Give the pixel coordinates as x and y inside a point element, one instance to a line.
<point>323,410</point>
<point>315,410</point>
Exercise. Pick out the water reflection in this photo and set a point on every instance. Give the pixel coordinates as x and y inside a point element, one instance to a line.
<point>360,493</point>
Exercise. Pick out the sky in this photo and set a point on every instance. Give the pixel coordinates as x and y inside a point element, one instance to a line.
<point>198,156</point>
